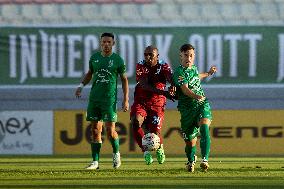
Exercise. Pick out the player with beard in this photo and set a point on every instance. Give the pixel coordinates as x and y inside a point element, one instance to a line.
<point>147,111</point>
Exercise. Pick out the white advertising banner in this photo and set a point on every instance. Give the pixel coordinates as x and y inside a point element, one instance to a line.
<point>26,132</point>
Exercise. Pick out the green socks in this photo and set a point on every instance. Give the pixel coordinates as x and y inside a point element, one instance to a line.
<point>96,148</point>
<point>190,152</point>
<point>204,145</point>
<point>115,145</point>
<point>205,141</point>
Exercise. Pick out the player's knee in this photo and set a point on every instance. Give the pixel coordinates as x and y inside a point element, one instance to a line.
<point>96,135</point>
<point>96,131</point>
<point>205,121</point>
<point>192,142</point>
<point>111,132</point>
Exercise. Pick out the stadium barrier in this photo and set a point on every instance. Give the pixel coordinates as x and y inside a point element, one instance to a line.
<point>233,132</point>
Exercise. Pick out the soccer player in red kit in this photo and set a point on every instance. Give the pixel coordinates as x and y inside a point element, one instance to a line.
<point>147,111</point>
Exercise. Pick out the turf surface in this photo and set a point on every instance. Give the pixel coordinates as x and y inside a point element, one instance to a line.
<point>68,172</point>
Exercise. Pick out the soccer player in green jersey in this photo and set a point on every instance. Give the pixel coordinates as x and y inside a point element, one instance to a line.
<point>104,68</point>
<point>193,106</point>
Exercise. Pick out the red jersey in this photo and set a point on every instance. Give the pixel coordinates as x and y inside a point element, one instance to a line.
<point>158,76</point>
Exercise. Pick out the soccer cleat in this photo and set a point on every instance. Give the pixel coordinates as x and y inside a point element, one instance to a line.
<point>116,160</point>
<point>161,155</point>
<point>93,165</point>
<point>190,165</point>
<point>148,158</point>
<point>204,165</point>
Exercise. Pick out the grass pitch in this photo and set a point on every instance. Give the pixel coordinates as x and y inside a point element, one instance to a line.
<point>68,172</point>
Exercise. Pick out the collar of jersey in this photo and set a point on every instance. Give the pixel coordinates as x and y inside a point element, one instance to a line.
<point>159,62</point>
<point>106,56</point>
<point>187,68</point>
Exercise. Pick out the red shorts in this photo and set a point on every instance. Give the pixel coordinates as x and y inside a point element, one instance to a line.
<point>153,116</point>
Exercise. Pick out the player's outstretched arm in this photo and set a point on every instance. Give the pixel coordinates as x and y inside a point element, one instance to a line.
<point>211,71</point>
<point>86,79</point>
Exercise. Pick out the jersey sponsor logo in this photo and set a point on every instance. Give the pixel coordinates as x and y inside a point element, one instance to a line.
<point>140,71</point>
<point>102,76</point>
<point>102,79</point>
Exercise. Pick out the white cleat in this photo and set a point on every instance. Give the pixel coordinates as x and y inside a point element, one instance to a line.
<point>190,165</point>
<point>116,160</point>
<point>204,165</point>
<point>93,165</point>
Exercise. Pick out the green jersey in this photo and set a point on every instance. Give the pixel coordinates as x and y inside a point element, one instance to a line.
<point>190,76</point>
<point>105,72</point>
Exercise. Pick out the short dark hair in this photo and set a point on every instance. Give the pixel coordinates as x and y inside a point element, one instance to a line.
<point>107,35</point>
<point>186,47</point>
<point>152,47</point>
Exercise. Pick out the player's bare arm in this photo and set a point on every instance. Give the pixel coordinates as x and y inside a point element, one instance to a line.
<point>191,94</point>
<point>86,79</point>
<point>211,71</point>
<point>125,103</point>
